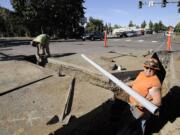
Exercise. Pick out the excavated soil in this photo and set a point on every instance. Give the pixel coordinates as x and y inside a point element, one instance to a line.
<point>35,95</point>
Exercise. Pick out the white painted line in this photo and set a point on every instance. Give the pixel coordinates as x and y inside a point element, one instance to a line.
<point>29,119</point>
<point>117,40</point>
<point>140,40</point>
<point>154,41</point>
<point>16,120</point>
<point>128,40</point>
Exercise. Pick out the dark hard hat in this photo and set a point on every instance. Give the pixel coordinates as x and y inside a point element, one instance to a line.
<point>152,63</point>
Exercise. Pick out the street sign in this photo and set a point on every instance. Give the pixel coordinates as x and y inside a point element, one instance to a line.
<point>151,3</point>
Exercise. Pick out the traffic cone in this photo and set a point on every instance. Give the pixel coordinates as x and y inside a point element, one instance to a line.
<point>105,38</point>
<point>169,40</point>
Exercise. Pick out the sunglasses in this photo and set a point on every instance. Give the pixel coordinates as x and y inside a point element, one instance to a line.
<point>149,68</point>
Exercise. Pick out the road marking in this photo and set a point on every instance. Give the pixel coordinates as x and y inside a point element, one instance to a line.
<point>140,40</point>
<point>29,119</point>
<point>128,40</point>
<point>117,40</point>
<point>20,131</point>
<point>154,41</point>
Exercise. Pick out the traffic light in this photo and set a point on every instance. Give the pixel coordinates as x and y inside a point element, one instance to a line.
<point>164,2</point>
<point>179,6</point>
<point>140,4</point>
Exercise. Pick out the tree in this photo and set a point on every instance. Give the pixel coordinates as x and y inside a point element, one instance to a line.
<point>116,26</point>
<point>156,27</point>
<point>179,6</point>
<point>109,28</point>
<point>130,24</point>
<point>106,27</point>
<point>54,17</point>
<point>177,27</point>
<point>150,25</point>
<point>10,23</point>
<point>94,25</point>
<point>143,25</point>
<point>137,26</point>
<point>2,23</point>
<point>160,25</point>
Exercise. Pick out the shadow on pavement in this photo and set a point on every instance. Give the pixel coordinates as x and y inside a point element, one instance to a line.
<point>9,42</point>
<point>114,118</point>
<point>169,111</point>
<point>62,55</point>
<point>5,57</point>
<point>30,58</point>
<point>110,118</point>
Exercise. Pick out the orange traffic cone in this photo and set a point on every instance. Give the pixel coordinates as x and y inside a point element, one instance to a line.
<point>105,38</point>
<point>169,40</point>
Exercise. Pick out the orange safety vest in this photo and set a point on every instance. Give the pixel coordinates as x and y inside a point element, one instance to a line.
<point>142,84</point>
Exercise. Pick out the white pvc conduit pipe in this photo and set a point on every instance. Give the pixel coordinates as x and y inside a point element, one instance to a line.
<point>147,104</point>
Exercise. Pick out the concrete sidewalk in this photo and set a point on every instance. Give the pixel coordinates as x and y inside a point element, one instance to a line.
<point>26,107</point>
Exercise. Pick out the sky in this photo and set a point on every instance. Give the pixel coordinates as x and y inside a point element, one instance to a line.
<point>121,12</point>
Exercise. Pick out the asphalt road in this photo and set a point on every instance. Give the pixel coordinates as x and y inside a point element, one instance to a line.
<point>133,44</point>
<point>33,97</point>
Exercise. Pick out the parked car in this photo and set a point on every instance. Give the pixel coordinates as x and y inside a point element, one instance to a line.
<point>93,36</point>
<point>149,31</point>
<point>130,34</point>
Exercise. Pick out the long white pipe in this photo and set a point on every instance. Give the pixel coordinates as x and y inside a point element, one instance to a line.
<point>147,104</point>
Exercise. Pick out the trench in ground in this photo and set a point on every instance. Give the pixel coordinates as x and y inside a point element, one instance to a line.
<point>103,119</point>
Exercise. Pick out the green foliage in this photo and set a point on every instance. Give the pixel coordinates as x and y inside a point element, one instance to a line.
<point>55,17</point>
<point>109,28</point>
<point>177,27</point>
<point>150,25</point>
<point>94,25</point>
<point>156,27</point>
<point>131,24</point>
<point>10,23</point>
<point>116,26</point>
<point>143,25</point>
<point>159,27</point>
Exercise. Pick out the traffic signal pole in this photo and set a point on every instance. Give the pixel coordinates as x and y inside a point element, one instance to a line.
<point>151,3</point>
